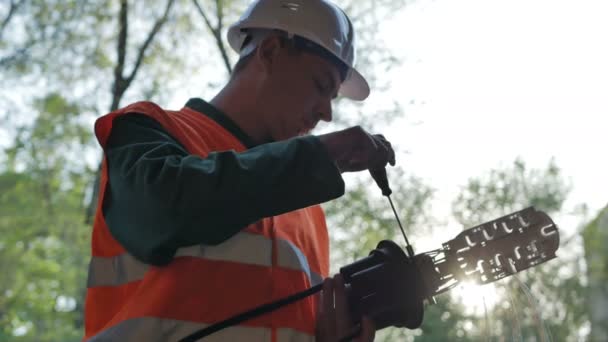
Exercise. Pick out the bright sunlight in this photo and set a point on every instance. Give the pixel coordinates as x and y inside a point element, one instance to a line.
<point>477,299</point>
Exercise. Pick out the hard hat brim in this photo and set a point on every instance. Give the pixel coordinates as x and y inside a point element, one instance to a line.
<point>355,87</point>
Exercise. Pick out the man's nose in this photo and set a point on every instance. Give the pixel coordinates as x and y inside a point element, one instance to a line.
<point>325,111</point>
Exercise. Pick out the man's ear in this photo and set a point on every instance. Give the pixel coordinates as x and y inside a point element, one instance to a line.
<point>268,52</point>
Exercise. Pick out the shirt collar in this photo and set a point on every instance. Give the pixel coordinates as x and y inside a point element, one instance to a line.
<point>222,119</point>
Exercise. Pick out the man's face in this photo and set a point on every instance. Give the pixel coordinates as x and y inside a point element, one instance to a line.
<point>299,92</point>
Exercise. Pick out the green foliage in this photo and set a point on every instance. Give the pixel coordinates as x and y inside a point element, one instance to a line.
<point>444,321</point>
<point>362,217</point>
<point>555,295</point>
<point>43,239</point>
<point>51,44</point>
<point>506,190</point>
<point>595,236</point>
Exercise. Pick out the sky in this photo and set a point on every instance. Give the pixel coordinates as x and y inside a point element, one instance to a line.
<point>488,81</point>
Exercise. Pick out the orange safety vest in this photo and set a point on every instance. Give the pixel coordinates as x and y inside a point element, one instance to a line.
<point>128,300</point>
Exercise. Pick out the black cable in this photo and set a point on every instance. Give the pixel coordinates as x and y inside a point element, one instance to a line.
<point>260,310</point>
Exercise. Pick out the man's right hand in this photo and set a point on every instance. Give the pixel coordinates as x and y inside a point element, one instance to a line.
<point>354,149</point>
<point>334,321</point>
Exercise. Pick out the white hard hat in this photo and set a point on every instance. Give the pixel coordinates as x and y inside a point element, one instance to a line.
<point>318,21</point>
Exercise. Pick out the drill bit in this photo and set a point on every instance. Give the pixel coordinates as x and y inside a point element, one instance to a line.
<point>409,248</point>
<point>379,175</point>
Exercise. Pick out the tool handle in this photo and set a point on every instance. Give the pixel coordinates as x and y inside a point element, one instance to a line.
<point>379,175</point>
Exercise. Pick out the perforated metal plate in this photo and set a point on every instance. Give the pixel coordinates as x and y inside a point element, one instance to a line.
<point>502,247</point>
<point>490,251</point>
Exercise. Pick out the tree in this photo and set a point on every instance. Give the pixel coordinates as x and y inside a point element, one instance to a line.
<point>43,241</point>
<point>544,301</point>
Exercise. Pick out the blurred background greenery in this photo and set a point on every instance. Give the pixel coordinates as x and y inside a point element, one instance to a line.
<point>64,63</point>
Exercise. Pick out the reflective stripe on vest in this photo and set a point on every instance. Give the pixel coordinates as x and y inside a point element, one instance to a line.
<point>246,248</point>
<point>158,329</point>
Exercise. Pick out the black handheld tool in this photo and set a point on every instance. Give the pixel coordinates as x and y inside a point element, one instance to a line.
<point>379,175</point>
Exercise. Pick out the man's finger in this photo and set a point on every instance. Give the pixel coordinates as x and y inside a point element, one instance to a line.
<point>391,151</point>
<point>382,155</point>
<point>342,314</point>
<point>328,322</point>
<point>368,330</point>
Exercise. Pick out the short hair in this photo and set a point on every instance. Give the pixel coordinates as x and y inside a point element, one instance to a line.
<point>295,45</point>
<point>244,59</point>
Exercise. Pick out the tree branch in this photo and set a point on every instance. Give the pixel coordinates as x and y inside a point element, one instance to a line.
<point>122,39</point>
<point>20,55</point>
<point>202,12</point>
<point>219,13</point>
<point>216,30</point>
<point>218,35</point>
<point>11,10</point>
<point>142,50</point>
<point>119,88</point>
<point>21,52</point>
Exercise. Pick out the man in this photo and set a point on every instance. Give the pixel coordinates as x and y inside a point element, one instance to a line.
<point>212,210</point>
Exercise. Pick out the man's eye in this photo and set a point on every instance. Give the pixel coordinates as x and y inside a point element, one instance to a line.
<point>320,87</point>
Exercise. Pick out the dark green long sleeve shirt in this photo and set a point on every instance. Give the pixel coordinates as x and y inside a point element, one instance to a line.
<point>160,198</point>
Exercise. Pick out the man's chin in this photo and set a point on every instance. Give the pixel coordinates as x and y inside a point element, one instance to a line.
<point>294,135</point>
<point>304,133</point>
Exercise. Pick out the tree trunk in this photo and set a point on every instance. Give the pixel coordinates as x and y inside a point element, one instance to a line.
<point>122,81</point>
